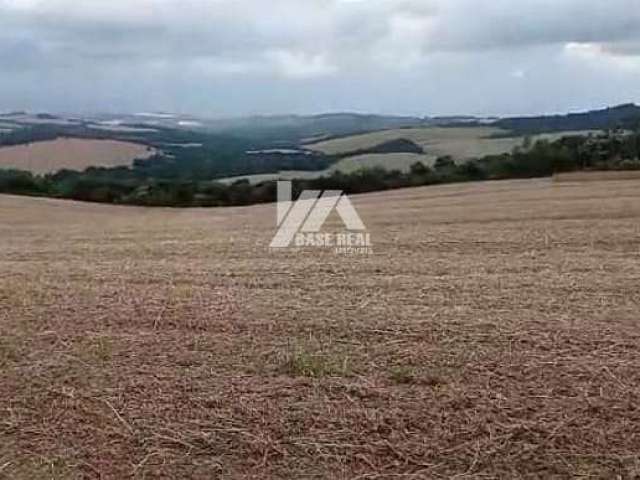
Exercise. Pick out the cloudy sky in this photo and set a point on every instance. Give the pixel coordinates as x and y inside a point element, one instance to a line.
<point>236,57</point>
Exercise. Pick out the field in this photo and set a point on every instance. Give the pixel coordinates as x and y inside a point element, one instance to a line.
<point>597,176</point>
<point>493,334</point>
<point>72,154</point>
<point>397,161</point>
<point>460,143</point>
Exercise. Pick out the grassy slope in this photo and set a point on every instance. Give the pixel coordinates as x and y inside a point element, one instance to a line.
<point>477,341</point>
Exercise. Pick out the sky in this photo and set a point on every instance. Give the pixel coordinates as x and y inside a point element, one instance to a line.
<point>244,57</point>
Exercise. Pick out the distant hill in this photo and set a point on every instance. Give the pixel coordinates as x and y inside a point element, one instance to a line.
<point>291,131</point>
<point>625,116</point>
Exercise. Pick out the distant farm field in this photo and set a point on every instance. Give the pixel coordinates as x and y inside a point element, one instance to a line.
<point>597,176</point>
<point>553,136</point>
<point>389,161</point>
<point>460,143</point>
<point>72,154</point>
<point>492,334</point>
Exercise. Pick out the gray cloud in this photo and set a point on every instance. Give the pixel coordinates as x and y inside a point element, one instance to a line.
<point>465,24</point>
<point>413,56</point>
<point>623,48</point>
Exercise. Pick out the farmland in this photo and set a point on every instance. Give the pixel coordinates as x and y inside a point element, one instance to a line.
<point>460,143</point>
<point>398,161</point>
<point>493,334</point>
<point>72,154</point>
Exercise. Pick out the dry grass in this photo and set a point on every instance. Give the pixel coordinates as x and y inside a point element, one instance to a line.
<point>493,334</point>
<point>71,153</point>
<point>598,176</point>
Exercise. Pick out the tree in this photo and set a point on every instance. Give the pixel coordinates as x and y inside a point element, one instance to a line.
<point>445,164</point>
<point>420,168</point>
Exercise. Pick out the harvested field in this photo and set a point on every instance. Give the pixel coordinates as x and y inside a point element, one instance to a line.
<point>585,176</point>
<point>493,334</point>
<point>73,154</point>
